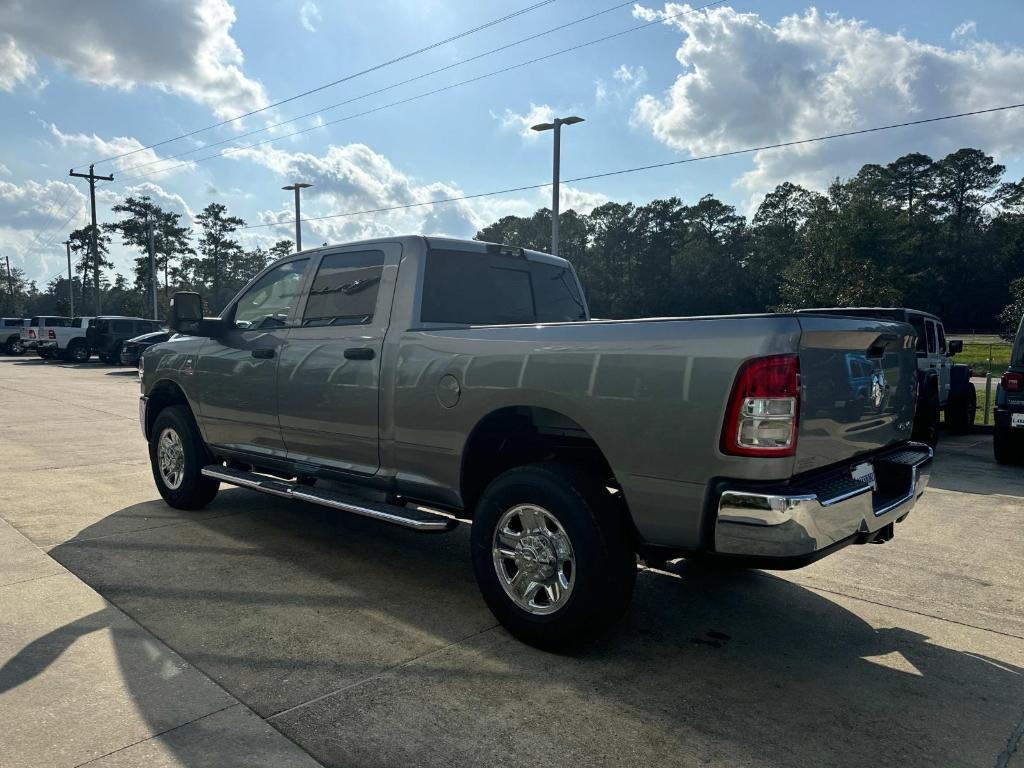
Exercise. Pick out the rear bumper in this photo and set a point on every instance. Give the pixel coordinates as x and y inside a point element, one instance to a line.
<point>792,525</point>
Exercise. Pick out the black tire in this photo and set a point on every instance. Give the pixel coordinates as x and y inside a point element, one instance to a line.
<point>192,491</point>
<point>960,413</point>
<point>926,422</point>
<point>15,347</point>
<point>1007,450</point>
<point>604,559</point>
<point>42,353</point>
<point>78,352</point>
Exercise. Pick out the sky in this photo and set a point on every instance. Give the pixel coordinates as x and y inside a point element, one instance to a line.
<point>84,82</point>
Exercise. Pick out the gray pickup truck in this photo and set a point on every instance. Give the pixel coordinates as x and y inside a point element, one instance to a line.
<point>426,382</point>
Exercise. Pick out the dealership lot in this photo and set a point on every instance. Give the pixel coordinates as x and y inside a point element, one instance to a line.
<point>134,633</point>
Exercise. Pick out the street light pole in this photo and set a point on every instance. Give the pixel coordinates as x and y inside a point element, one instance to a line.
<point>152,264</point>
<point>71,282</point>
<point>555,170</point>
<point>298,186</point>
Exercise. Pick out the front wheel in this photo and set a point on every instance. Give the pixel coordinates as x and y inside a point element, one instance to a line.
<point>177,456</point>
<point>553,556</point>
<point>78,353</point>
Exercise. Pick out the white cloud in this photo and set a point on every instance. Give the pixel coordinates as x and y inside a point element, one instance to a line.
<point>627,81</point>
<point>578,200</point>
<point>31,215</point>
<point>182,47</point>
<point>521,123</point>
<point>964,29</point>
<point>746,82</point>
<point>309,15</point>
<point>4,170</point>
<point>16,66</point>
<point>92,146</point>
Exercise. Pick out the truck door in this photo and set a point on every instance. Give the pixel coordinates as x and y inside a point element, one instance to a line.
<point>937,359</point>
<point>329,377</point>
<point>236,373</point>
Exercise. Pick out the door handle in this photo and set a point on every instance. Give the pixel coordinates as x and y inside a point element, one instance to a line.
<point>263,354</point>
<point>359,353</point>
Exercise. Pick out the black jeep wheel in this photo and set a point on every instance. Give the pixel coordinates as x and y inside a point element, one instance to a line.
<point>926,421</point>
<point>960,412</point>
<point>1005,446</point>
<point>553,555</point>
<point>78,352</point>
<point>177,456</point>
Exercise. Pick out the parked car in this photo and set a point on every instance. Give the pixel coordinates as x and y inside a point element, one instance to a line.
<point>945,387</point>
<point>39,329</point>
<point>10,334</point>
<point>419,380</point>
<point>1008,439</point>
<point>67,342</point>
<point>132,349</point>
<point>107,335</point>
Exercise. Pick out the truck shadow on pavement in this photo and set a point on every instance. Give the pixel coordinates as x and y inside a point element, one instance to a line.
<point>370,645</point>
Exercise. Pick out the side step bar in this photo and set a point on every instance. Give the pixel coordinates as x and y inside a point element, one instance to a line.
<point>389,513</point>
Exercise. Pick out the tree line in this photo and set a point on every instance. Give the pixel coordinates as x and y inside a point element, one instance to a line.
<point>945,236</point>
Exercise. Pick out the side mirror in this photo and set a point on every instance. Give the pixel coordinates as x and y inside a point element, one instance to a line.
<point>185,312</point>
<point>956,346</point>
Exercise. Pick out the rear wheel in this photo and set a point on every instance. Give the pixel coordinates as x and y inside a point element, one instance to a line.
<point>961,412</point>
<point>78,352</point>
<point>15,347</point>
<point>553,555</point>
<point>177,456</point>
<point>926,422</point>
<point>1007,449</point>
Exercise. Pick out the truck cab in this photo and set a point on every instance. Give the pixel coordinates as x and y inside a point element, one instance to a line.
<point>1008,438</point>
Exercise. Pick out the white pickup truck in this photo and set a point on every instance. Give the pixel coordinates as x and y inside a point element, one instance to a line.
<point>40,329</point>
<point>67,342</point>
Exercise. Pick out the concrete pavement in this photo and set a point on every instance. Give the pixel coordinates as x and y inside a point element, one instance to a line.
<point>367,645</point>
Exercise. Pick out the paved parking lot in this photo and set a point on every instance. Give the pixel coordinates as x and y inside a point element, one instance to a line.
<point>261,632</point>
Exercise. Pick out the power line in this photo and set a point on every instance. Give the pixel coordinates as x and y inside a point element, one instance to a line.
<point>503,70</point>
<point>453,65</point>
<point>636,169</point>
<point>374,68</point>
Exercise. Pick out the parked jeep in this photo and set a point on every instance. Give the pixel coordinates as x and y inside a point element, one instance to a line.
<point>107,335</point>
<point>420,381</point>
<point>10,334</point>
<point>944,387</point>
<point>38,329</point>
<point>1008,439</point>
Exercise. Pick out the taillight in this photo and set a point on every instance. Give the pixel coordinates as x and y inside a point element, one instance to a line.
<point>761,418</point>
<point>51,334</point>
<point>1013,382</point>
<point>31,334</point>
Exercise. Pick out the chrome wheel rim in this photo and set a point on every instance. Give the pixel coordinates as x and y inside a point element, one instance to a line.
<point>171,458</point>
<point>533,559</point>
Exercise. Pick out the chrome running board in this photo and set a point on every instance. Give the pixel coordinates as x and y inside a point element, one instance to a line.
<point>407,517</point>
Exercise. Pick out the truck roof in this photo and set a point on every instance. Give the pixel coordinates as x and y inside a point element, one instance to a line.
<point>438,242</point>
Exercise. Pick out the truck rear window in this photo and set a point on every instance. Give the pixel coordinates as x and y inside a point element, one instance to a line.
<point>471,288</point>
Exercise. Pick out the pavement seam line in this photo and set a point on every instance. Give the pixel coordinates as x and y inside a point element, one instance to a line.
<point>77,405</point>
<point>907,610</point>
<point>64,572</point>
<point>380,674</point>
<point>158,735</point>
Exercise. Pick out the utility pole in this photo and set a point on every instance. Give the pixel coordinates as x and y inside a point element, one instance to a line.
<point>297,186</point>
<point>71,282</point>
<point>152,265</point>
<point>557,126</point>
<point>10,280</point>
<point>93,178</point>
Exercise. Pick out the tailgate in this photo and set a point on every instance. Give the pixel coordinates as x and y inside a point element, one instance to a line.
<point>858,387</point>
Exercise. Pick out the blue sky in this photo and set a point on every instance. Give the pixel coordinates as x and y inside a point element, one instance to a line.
<point>737,75</point>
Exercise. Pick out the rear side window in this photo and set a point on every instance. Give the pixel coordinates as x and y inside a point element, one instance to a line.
<point>942,337</point>
<point>470,288</point>
<point>345,289</point>
<point>122,326</point>
<point>932,338</point>
<point>922,338</point>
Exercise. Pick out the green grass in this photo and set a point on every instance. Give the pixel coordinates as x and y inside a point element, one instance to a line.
<point>979,416</point>
<point>977,354</point>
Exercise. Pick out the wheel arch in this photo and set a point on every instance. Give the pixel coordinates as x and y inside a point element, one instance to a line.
<point>163,394</point>
<point>513,436</point>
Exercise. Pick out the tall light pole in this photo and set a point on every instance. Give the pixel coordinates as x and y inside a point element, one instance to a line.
<point>557,126</point>
<point>297,186</point>
<point>71,282</point>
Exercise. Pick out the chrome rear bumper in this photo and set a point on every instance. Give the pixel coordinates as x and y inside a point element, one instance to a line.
<point>809,516</point>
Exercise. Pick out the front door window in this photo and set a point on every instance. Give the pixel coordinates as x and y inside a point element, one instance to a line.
<point>269,302</point>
